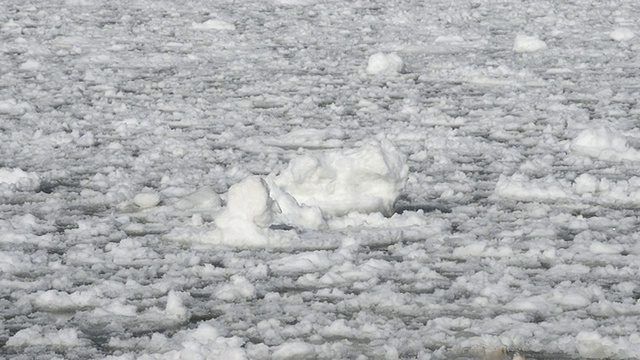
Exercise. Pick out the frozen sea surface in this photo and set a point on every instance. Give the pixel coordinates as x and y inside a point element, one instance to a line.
<point>516,232</point>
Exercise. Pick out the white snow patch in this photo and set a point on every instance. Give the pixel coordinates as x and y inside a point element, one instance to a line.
<point>622,34</point>
<point>381,63</point>
<point>19,179</point>
<point>525,43</point>
<point>604,144</point>
<point>366,179</point>
<point>213,25</point>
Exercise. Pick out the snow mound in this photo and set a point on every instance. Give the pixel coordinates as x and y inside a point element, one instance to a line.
<point>366,179</point>
<point>604,144</point>
<point>381,63</point>
<point>21,180</point>
<point>213,25</point>
<point>622,34</point>
<point>526,43</point>
<point>248,213</point>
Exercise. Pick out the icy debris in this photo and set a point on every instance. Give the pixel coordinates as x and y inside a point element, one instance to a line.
<point>30,65</point>
<point>381,63</point>
<point>19,179</point>
<point>622,34</point>
<point>239,288</point>
<point>294,350</point>
<point>449,39</point>
<point>12,107</point>
<point>36,335</point>
<point>213,25</point>
<point>294,2</point>
<point>203,198</point>
<point>307,138</point>
<point>526,43</point>
<point>313,188</point>
<point>175,307</point>
<point>604,144</point>
<point>203,342</point>
<point>147,199</point>
<point>248,213</point>
<point>366,179</point>
<point>592,345</point>
<point>292,213</point>
<point>520,187</point>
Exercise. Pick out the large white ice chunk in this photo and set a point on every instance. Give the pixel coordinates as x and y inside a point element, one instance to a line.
<point>381,63</point>
<point>604,144</point>
<point>366,179</point>
<point>592,345</point>
<point>248,213</point>
<point>622,34</point>
<point>526,43</point>
<point>21,179</point>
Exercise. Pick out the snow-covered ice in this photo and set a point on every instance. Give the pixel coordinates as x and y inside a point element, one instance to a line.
<point>381,63</point>
<point>526,43</point>
<point>305,179</point>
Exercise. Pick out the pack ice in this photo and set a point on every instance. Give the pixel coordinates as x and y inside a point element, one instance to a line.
<point>311,189</point>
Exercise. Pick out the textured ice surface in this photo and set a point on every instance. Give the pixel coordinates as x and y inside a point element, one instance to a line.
<point>516,230</point>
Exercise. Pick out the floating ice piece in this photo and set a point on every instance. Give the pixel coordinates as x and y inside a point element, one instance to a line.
<point>238,289</point>
<point>213,25</point>
<point>22,180</point>
<point>35,335</point>
<point>30,65</point>
<point>147,199</point>
<point>381,63</point>
<point>12,107</point>
<point>526,43</point>
<point>248,213</point>
<point>175,307</point>
<point>604,144</point>
<point>294,350</point>
<point>592,345</point>
<point>622,34</point>
<point>203,198</point>
<point>294,214</point>
<point>366,179</point>
<point>520,187</point>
